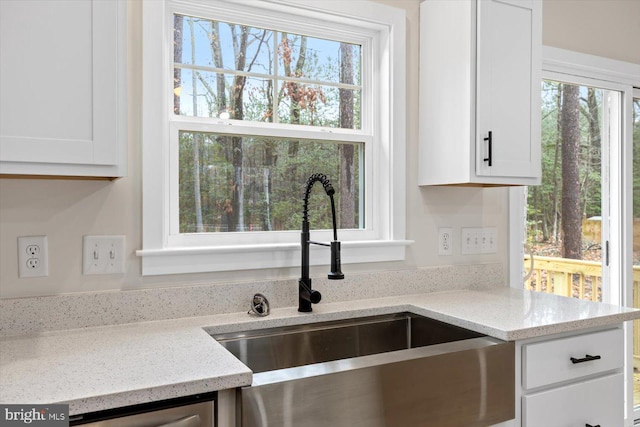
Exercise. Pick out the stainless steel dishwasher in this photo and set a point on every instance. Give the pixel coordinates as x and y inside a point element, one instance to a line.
<point>194,415</point>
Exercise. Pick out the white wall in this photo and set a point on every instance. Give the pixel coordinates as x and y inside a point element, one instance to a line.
<point>609,28</point>
<point>66,210</point>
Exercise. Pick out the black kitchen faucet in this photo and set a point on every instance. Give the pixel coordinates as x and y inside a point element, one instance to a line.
<point>306,295</point>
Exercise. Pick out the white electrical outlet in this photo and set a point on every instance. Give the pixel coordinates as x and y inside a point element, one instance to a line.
<point>33,256</point>
<point>445,241</point>
<point>103,255</point>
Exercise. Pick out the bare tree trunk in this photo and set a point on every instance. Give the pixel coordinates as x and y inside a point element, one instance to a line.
<point>269,149</point>
<point>237,105</point>
<point>178,23</point>
<point>238,199</point>
<point>240,35</point>
<point>196,140</point>
<point>594,162</point>
<point>555,164</point>
<point>594,123</point>
<point>539,219</point>
<point>571,216</point>
<point>296,93</point>
<point>347,172</point>
<point>267,197</point>
<point>299,70</point>
<point>216,53</point>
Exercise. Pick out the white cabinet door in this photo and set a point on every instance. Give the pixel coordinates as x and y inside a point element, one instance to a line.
<point>593,402</point>
<point>508,89</point>
<point>62,83</point>
<point>480,75</point>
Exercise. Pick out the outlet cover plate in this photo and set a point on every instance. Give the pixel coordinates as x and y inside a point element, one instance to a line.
<point>445,241</point>
<point>478,240</point>
<point>33,256</point>
<point>489,241</point>
<point>470,240</point>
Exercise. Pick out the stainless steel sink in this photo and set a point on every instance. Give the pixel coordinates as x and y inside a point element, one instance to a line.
<point>392,370</point>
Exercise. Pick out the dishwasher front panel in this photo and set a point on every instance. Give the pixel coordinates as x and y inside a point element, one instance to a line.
<point>194,415</point>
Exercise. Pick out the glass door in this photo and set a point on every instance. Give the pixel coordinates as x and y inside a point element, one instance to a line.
<point>589,248</point>
<point>568,215</point>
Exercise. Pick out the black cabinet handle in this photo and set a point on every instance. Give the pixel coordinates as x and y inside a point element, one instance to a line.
<point>489,140</point>
<point>589,425</point>
<point>587,358</point>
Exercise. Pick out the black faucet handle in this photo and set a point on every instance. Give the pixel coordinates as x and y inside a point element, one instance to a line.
<point>307,296</point>
<point>315,297</point>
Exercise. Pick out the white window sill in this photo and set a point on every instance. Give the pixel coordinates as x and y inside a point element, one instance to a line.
<point>250,257</point>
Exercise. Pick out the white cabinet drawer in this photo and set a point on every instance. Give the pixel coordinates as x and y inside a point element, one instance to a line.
<point>594,402</point>
<point>551,362</point>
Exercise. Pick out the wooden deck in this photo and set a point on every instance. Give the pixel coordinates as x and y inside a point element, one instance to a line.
<point>636,388</point>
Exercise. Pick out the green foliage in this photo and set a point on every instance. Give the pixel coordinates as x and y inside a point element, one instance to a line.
<point>271,170</point>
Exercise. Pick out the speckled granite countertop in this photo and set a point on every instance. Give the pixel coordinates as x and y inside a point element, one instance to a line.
<point>106,367</point>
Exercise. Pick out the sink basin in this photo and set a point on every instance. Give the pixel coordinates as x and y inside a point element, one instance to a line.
<point>288,346</point>
<point>390,370</point>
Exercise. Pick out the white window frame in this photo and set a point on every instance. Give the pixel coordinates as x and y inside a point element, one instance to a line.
<point>165,250</point>
<point>627,248</point>
<point>579,68</point>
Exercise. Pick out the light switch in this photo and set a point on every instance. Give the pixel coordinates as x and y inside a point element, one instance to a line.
<point>103,255</point>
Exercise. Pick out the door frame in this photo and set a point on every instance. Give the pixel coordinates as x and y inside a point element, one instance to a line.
<point>632,412</point>
<point>579,68</point>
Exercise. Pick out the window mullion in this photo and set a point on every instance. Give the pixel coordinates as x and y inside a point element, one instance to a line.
<point>265,76</point>
<point>238,127</point>
<point>220,70</point>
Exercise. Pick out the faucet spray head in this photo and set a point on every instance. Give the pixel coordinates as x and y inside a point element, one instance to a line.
<point>336,270</point>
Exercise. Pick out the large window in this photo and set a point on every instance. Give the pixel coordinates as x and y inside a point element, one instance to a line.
<point>231,182</point>
<point>242,103</point>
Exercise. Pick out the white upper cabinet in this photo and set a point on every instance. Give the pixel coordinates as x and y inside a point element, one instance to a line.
<point>480,92</point>
<point>62,79</point>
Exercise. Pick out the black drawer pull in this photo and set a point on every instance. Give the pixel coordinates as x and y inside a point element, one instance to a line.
<point>589,425</point>
<point>587,358</point>
<point>489,140</point>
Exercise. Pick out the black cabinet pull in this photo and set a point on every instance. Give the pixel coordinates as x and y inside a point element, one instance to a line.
<point>587,358</point>
<point>489,140</point>
<point>589,425</point>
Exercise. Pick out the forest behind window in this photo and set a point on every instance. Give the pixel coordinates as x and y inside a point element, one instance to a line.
<point>234,182</point>
<point>567,214</point>
<point>571,188</point>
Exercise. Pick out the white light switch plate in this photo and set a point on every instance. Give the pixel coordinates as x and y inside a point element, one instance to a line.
<point>478,240</point>
<point>103,255</point>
